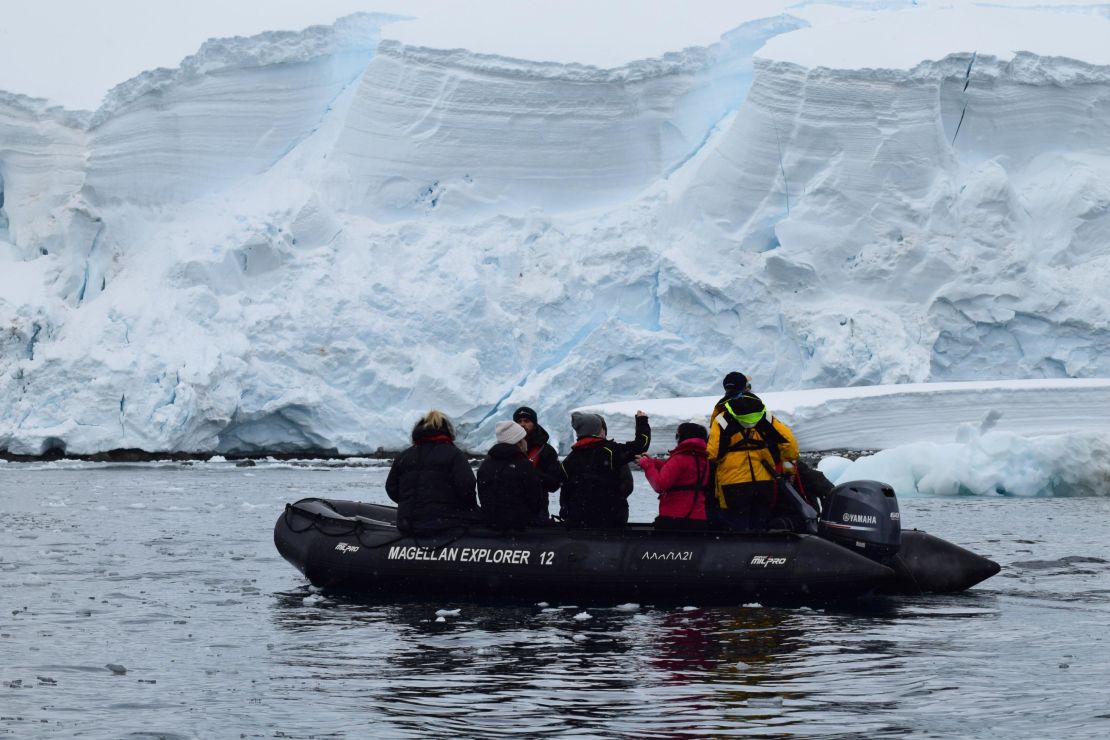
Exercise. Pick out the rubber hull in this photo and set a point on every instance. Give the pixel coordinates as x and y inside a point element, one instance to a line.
<point>351,546</point>
<point>928,564</point>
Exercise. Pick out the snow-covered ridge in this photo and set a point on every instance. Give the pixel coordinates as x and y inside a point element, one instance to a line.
<point>1018,437</point>
<point>41,109</point>
<point>304,240</point>
<point>417,141</point>
<point>880,417</point>
<point>356,34</point>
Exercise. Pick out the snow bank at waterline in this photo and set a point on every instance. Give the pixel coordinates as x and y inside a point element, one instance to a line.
<point>1023,438</point>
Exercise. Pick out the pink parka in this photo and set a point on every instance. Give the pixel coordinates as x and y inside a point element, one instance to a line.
<point>676,478</point>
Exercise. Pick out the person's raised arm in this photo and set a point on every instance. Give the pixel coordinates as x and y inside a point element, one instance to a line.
<point>626,452</point>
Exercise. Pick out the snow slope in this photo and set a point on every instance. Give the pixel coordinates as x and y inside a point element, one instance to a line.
<point>303,239</point>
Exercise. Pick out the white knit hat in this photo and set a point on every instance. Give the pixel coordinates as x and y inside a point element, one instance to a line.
<point>510,432</point>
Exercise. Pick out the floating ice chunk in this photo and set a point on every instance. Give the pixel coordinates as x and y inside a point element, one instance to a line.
<point>629,607</point>
<point>768,702</point>
<point>448,612</point>
<point>579,637</point>
<point>542,604</point>
<point>312,600</point>
<point>441,619</point>
<point>753,605</point>
<point>217,459</point>
<point>833,466</point>
<point>689,608</point>
<point>136,505</point>
<point>116,669</point>
<point>583,616</point>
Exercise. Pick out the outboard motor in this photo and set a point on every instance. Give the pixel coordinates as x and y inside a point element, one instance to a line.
<point>863,515</point>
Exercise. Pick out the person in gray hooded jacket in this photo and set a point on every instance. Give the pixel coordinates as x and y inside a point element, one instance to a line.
<point>598,480</point>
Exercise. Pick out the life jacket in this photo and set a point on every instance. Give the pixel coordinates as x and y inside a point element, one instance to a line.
<point>699,488</point>
<point>737,438</point>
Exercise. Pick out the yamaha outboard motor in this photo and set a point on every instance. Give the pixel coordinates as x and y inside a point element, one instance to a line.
<point>863,515</point>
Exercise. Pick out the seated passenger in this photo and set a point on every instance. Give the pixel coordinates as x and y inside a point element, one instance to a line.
<point>598,479</point>
<point>431,481</point>
<point>681,481</point>
<point>509,490</point>
<point>748,448</point>
<point>543,456</point>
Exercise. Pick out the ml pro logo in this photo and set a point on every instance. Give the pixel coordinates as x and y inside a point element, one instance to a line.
<point>767,561</point>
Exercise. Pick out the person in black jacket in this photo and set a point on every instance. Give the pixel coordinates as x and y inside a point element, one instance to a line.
<point>598,479</point>
<point>543,455</point>
<point>431,481</point>
<point>509,489</point>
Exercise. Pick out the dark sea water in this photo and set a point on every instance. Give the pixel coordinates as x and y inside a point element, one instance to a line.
<point>169,573</point>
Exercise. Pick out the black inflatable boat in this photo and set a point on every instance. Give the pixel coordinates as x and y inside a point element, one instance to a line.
<point>858,548</point>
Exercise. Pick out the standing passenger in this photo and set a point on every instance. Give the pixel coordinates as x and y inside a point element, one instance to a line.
<point>598,480</point>
<point>509,488</point>
<point>431,481</point>
<point>748,448</point>
<point>543,455</point>
<point>681,481</point>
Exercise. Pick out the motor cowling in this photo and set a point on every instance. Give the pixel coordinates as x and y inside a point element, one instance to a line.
<point>863,515</point>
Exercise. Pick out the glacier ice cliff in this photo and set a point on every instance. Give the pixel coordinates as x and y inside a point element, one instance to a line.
<point>301,240</point>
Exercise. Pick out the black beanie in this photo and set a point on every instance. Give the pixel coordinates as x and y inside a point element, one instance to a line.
<point>736,383</point>
<point>691,430</point>
<point>525,413</point>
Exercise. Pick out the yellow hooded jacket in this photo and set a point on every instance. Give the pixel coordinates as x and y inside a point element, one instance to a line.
<point>750,463</point>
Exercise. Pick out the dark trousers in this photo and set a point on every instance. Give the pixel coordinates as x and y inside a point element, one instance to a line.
<point>747,506</point>
<point>672,524</point>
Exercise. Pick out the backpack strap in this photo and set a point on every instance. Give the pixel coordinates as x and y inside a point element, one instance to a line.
<point>769,440</point>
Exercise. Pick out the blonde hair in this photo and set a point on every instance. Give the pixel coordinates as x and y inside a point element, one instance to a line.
<point>434,421</point>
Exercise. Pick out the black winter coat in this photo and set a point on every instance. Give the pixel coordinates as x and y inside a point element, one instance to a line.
<point>509,490</point>
<point>433,486</point>
<point>599,481</point>
<point>545,460</point>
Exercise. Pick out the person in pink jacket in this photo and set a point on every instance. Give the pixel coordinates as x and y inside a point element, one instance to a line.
<point>681,480</point>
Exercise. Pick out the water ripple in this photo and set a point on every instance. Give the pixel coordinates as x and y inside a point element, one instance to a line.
<point>218,637</point>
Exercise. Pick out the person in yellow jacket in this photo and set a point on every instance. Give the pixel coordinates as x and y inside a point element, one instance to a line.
<point>749,449</point>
